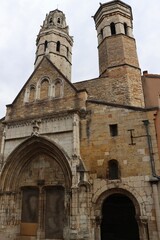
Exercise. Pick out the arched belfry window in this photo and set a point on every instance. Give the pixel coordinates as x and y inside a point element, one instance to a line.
<point>113,169</point>
<point>45,45</point>
<point>58,46</point>
<point>50,20</point>
<point>58,20</point>
<point>113,28</point>
<point>125,29</point>
<point>67,52</point>
<point>101,32</point>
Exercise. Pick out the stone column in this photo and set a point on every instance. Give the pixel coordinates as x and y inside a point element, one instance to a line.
<point>40,231</point>
<point>76,140</point>
<point>107,31</point>
<point>143,223</point>
<point>74,212</point>
<point>2,214</point>
<point>98,228</point>
<point>154,182</point>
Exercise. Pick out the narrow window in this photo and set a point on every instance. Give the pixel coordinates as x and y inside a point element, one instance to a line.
<point>125,29</point>
<point>102,33</point>
<point>113,169</point>
<point>44,89</point>
<point>58,46</point>
<point>45,45</point>
<point>58,89</point>
<point>67,52</point>
<point>113,28</point>
<point>113,130</point>
<point>51,20</point>
<point>32,93</point>
<point>58,20</point>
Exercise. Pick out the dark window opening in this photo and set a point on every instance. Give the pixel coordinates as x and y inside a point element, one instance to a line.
<point>113,169</point>
<point>125,29</point>
<point>102,33</point>
<point>67,52</point>
<point>113,130</point>
<point>113,28</point>
<point>58,46</point>
<point>58,20</point>
<point>51,20</point>
<point>45,45</point>
<point>58,89</point>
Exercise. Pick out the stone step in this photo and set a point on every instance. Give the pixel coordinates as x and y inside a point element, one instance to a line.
<point>25,238</point>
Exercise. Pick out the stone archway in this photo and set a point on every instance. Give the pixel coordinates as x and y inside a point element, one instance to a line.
<point>118,219</point>
<point>36,181</point>
<point>100,210</point>
<point>23,155</point>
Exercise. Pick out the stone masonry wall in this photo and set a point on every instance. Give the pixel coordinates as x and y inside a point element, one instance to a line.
<point>98,146</point>
<point>21,109</point>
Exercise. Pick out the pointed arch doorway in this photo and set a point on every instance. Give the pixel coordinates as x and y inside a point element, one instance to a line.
<point>40,178</point>
<point>118,219</point>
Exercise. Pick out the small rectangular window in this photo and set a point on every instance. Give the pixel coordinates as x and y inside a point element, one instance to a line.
<point>113,130</point>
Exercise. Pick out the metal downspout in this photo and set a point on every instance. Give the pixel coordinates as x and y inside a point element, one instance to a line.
<point>155,177</point>
<point>149,141</point>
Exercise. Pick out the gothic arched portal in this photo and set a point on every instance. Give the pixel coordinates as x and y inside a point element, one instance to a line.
<point>39,179</point>
<point>118,219</point>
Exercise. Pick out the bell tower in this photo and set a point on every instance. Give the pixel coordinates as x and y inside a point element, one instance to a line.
<point>55,42</point>
<point>117,51</point>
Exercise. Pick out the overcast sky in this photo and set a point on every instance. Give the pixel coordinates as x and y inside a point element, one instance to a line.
<point>20,22</point>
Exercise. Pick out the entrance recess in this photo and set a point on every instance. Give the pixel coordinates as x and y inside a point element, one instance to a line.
<point>51,216</point>
<point>54,214</point>
<point>118,219</point>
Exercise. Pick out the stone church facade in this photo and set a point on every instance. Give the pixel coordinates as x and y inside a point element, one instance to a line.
<point>81,160</point>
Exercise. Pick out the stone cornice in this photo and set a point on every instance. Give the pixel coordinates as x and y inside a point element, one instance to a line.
<point>53,116</point>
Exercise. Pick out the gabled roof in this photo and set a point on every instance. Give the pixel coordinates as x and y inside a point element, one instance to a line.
<point>34,72</point>
<point>100,102</point>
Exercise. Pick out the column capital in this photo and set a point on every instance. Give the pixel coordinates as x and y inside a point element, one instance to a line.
<point>154,180</point>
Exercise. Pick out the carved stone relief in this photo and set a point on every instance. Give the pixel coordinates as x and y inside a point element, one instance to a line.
<point>45,168</point>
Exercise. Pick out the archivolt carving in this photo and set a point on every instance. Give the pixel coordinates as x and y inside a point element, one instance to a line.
<point>39,155</point>
<point>105,192</point>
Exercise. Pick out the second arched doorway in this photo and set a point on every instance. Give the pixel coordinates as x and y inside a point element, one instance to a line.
<point>118,219</point>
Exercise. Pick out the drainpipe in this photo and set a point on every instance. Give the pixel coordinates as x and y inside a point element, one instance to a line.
<point>154,183</point>
<point>155,178</point>
<point>149,141</point>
